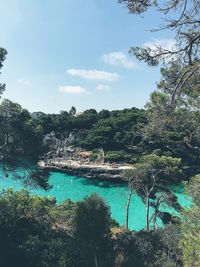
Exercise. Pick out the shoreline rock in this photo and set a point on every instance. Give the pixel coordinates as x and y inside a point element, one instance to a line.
<point>104,171</point>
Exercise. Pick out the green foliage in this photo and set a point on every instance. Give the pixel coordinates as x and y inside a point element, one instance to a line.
<point>193,188</point>
<point>115,130</point>
<point>181,17</point>
<point>190,242</point>
<point>150,178</point>
<point>149,249</point>
<point>72,111</point>
<point>166,169</point>
<point>173,111</point>
<point>92,220</point>
<point>120,156</point>
<point>37,232</point>
<point>3,54</point>
<point>175,128</point>
<point>34,232</point>
<point>124,135</point>
<point>19,133</point>
<point>92,223</point>
<point>118,130</point>
<point>95,154</point>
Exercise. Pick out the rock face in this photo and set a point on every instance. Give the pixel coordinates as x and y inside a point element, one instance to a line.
<point>51,141</point>
<point>64,157</point>
<point>60,147</point>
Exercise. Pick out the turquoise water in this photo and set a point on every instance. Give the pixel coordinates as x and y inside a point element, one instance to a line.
<point>76,188</point>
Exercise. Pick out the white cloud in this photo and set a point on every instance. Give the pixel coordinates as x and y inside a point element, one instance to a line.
<point>94,74</point>
<point>168,44</point>
<point>103,87</point>
<point>158,45</point>
<point>76,90</point>
<point>24,82</point>
<point>119,59</point>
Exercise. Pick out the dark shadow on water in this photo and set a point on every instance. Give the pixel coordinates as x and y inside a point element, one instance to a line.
<point>94,181</point>
<point>102,183</point>
<point>177,188</point>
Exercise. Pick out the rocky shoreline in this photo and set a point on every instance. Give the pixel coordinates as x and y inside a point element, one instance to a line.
<point>104,171</point>
<point>67,158</point>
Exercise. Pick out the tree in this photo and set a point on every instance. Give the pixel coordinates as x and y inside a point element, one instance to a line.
<point>8,115</point>
<point>130,193</point>
<point>86,119</point>
<point>185,24</point>
<point>148,248</point>
<point>25,223</point>
<point>175,129</point>
<point>190,242</point>
<point>3,54</point>
<point>21,138</point>
<point>92,227</point>
<point>18,131</point>
<point>152,175</point>
<point>18,134</point>
<point>72,111</point>
<point>35,231</point>
<point>189,96</point>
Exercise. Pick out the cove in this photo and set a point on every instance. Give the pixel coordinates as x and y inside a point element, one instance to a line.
<point>76,188</point>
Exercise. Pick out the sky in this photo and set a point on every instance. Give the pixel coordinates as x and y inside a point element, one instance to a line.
<point>67,53</point>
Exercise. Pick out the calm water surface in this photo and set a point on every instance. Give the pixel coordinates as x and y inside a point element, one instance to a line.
<point>76,188</point>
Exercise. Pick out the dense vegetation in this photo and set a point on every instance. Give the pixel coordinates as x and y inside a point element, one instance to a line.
<point>116,131</point>
<point>37,232</point>
<point>125,135</point>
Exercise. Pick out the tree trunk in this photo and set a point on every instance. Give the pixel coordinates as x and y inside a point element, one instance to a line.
<point>147,213</point>
<point>155,225</point>
<point>127,207</point>
<point>95,260</point>
<point>102,155</point>
<point>119,258</point>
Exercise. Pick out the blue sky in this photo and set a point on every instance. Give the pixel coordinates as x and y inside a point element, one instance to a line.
<point>75,53</point>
